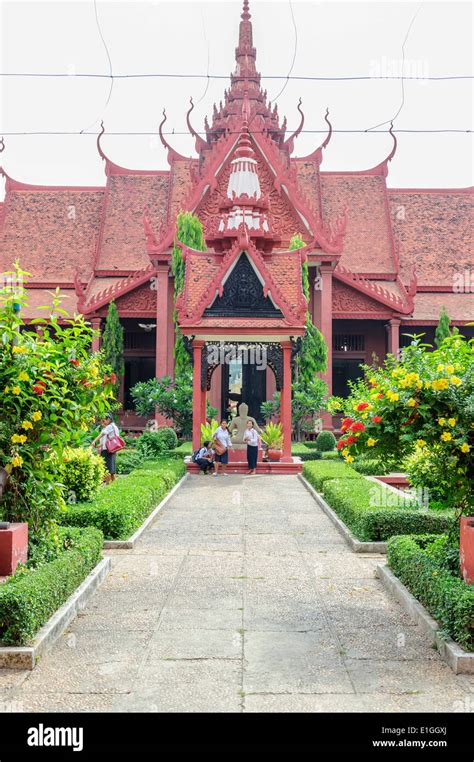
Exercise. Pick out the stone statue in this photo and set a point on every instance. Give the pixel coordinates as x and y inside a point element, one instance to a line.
<point>238,425</point>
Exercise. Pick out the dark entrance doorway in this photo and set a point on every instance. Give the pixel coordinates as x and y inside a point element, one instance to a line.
<point>343,371</point>
<point>243,382</point>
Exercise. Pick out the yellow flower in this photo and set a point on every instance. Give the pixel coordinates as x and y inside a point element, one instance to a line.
<point>452,421</point>
<point>26,425</point>
<point>18,438</point>
<point>8,468</point>
<point>427,384</point>
<point>16,390</point>
<point>441,421</point>
<point>440,368</point>
<point>371,442</point>
<point>23,376</point>
<point>419,384</point>
<point>6,390</point>
<point>345,451</point>
<point>37,415</point>
<point>18,350</point>
<point>420,442</point>
<point>411,402</point>
<point>440,384</point>
<point>17,461</point>
<point>94,371</point>
<point>449,368</point>
<point>84,426</point>
<point>446,436</point>
<point>349,459</point>
<point>465,447</point>
<point>392,396</point>
<point>455,380</point>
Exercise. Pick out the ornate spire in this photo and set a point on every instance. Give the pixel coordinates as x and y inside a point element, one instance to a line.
<point>245,53</point>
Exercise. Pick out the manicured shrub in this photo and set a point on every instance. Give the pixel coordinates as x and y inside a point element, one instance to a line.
<point>127,460</point>
<point>374,512</point>
<point>325,441</point>
<point>155,443</point>
<point>82,473</point>
<point>371,467</point>
<point>447,597</point>
<point>121,507</point>
<point>427,468</point>
<point>30,597</point>
<point>331,455</point>
<point>318,473</point>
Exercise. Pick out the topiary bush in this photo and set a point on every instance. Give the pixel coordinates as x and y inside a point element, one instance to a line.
<point>82,473</point>
<point>325,441</point>
<point>153,443</point>
<point>448,598</point>
<point>121,507</point>
<point>374,512</point>
<point>427,468</point>
<point>30,597</point>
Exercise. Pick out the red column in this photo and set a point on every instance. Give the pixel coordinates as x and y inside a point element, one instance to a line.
<point>162,310</point>
<point>285,402</point>
<point>393,327</point>
<point>197,394</point>
<point>95,323</point>
<point>322,318</point>
<point>203,405</point>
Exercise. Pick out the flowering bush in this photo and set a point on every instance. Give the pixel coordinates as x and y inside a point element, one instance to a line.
<point>52,389</point>
<point>82,473</point>
<point>426,400</point>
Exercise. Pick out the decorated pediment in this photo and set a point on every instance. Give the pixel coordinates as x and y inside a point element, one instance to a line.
<point>243,294</point>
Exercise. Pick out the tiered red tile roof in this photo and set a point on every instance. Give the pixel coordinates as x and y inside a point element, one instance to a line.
<point>100,243</point>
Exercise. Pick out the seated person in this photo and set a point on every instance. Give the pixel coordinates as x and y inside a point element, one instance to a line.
<point>205,458</point>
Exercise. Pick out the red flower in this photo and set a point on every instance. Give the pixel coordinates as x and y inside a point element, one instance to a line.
<point>351,440</point>
<point>39,387</point>
<point>380,396</point>
<point>74,362</point>
<point>346,423</point>
<point>358,426</point>
<point>362,405</point>
<point>342,443</point>
<point>113,378</point>
<point>376,419</point>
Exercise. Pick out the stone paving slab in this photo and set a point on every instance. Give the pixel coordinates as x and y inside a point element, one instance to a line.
<point>242,596</point>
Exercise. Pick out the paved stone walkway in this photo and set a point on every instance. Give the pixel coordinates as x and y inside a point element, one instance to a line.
<point>241,597</point>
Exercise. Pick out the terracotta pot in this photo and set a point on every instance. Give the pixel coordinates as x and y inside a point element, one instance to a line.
<point>274,454</point>
<point>466,548</point>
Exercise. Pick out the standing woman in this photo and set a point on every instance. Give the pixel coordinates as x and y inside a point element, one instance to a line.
<point>109,429</point>
<point>251,437</point>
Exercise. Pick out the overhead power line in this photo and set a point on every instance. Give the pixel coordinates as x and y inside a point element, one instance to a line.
<point>175,75</point>
<point>367,131</point>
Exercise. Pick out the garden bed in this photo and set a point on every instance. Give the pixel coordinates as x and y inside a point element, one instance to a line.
<point>372,511</point>
<point>426,567</point>
<point>31,600</point>
<point>121,507</point>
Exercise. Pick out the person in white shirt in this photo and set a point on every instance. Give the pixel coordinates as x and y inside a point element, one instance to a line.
<point>222,439</point>
<point>205,458</point>
<point>109,429</point>
<point>251,437</point>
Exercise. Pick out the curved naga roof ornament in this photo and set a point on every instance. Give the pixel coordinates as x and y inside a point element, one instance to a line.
<point>200,144</point>
<point>172,154</point>
<point>289,144</point>
<point>317,154</point>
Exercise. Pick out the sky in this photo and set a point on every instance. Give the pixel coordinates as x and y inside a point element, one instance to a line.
<point>325,39</point>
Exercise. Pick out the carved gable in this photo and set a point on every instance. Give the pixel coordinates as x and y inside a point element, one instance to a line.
<point>349,301</point>
<point>140,302</point>
<point>243,295</point>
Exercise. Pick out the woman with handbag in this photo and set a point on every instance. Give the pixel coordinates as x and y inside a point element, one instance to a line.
<point>110,443</point>
<point>222,442</point>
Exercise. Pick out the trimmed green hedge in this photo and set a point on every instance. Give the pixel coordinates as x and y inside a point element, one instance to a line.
<point>368,509</point>
<point>318,473</point>
<point>30,597</point>
<point>301,450</point>
<point>121,507</point>
<point>446,596</point>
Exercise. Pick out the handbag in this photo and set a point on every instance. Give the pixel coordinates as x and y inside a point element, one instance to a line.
<point>219,447</point>
<point>114,443</point>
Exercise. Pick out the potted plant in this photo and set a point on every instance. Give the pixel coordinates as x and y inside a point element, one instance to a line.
<point>272,436</point>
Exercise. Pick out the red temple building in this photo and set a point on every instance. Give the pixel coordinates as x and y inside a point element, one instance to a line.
<point>382,261</point>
